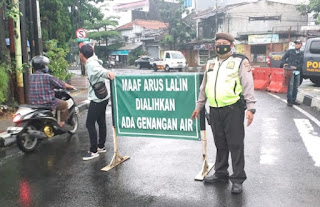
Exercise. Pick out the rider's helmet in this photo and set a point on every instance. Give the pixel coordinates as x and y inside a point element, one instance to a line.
<point>40,62</point>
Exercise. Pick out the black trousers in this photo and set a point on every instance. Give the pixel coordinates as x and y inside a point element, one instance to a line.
<point>97,113</point>
<point>227,125</point>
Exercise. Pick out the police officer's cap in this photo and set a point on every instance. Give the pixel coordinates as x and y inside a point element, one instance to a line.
<point>225,36</point>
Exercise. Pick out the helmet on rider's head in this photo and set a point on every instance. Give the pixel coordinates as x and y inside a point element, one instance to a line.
<point>40,62</point>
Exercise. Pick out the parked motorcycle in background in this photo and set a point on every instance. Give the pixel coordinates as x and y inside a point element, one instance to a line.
<point>34,123</point>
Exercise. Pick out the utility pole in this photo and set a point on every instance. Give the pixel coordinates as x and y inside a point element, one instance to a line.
<point>37,28</point>
<point>216,16</point>
<point>18,54</point>
<point>25,58</point>
<point>31,30</point>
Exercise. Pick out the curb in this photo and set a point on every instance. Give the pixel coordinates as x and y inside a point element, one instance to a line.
<point>7,140</point>
<point>308,100</point>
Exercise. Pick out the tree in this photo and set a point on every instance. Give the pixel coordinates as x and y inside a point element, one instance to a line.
<point>103,29</point>
<point>61,18</point>
<point>313,6</point>
<point>179,30</point>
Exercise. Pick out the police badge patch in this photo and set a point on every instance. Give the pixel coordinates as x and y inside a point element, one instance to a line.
<point>230,65</point>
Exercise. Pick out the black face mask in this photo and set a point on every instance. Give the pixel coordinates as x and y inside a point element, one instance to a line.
<point>223,49</point>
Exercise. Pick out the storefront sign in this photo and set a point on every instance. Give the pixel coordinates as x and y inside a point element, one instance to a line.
<point>120,52</point>
<point>263,39</point>
<point>156,105</point>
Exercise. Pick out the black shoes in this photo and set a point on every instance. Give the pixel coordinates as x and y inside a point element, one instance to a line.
<point>236,188</point>
<point>215,179</point>
<point>292,103</point>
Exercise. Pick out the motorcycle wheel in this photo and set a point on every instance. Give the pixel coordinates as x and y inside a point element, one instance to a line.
<point>74,122</point>
<point>25,142</point>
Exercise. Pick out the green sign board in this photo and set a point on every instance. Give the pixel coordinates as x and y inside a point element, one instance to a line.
<point>156,105</point>
<point>82,39</point>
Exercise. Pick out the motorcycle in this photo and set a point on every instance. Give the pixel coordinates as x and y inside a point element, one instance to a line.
<point>34,123</point>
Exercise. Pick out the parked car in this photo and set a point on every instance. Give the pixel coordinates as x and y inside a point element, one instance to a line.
<point>274,59</point>
<point>171,60</point>
<point>143,62</point>
<point>311,61</point>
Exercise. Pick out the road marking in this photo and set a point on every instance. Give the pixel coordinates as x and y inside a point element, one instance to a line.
<point>312,118</point>
<point>269,150</point>
<point>310,138</point>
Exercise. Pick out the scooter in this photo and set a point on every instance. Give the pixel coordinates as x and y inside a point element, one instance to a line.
<point>34,123</point>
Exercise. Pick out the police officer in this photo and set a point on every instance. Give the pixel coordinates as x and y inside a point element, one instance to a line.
<point>293,59</point>
<point>228,86</point>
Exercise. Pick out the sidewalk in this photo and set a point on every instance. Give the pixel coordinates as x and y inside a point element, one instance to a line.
<point>309,95</point>
<point>79,96</point>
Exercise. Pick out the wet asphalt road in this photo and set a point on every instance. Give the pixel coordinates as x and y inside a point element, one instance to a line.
<point>282,163</point>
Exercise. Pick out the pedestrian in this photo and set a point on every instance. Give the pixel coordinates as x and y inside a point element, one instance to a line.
<point>42,86</point>
<point>97,107</point>
<point>228,86</point>
<point>293,59</point>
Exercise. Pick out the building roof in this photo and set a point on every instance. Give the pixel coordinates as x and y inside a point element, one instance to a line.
<point>147,24</point>
<point>131,46</point>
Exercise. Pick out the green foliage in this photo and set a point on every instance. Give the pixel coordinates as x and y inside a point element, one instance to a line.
<point>313,6</point>
<point>180,31</point>
<point>55,21</point>
<point>134,54</point>
<point>13,11</point>
<point>4,81</point>
<point>167,40</point>
<point>61,18</point>
<point>58,63</point>
<point>103,29</point>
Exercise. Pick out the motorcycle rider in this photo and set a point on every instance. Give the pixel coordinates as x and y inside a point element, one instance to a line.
<point>42,85</point>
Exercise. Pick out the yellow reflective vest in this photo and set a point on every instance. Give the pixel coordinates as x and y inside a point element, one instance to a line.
<point>223,86</point>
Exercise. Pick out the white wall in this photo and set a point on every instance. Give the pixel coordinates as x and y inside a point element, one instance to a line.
<point>107,8</point>
<point>237,19</point>
<point>131,34</point>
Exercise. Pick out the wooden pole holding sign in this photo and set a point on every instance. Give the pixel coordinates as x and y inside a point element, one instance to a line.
<point>117,159</point>
<point>206,167</point>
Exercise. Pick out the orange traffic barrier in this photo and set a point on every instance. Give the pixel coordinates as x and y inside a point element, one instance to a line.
<point>261,78</point>
<point>279,80</point>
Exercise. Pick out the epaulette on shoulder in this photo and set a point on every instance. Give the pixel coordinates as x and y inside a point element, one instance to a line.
<point>239,56</point>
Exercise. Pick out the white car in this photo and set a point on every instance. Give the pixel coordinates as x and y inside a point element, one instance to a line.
<point>171,60</point>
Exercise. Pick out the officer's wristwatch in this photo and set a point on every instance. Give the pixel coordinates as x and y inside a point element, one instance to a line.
<point>252,110</point>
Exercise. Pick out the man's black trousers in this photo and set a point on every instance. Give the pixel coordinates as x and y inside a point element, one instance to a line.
<point>227,125</point>
<point>97,113</point>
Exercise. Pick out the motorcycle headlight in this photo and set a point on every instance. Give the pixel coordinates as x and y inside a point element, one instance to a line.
<point>16,118</point>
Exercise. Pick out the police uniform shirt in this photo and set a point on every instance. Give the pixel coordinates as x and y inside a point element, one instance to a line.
<point>246,80</point>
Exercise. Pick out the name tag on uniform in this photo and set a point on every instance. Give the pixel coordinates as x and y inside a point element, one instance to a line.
<point>230,65</point>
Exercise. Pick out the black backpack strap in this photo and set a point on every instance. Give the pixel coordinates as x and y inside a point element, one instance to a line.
<point>97,80</point>
<point>243,57</point>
